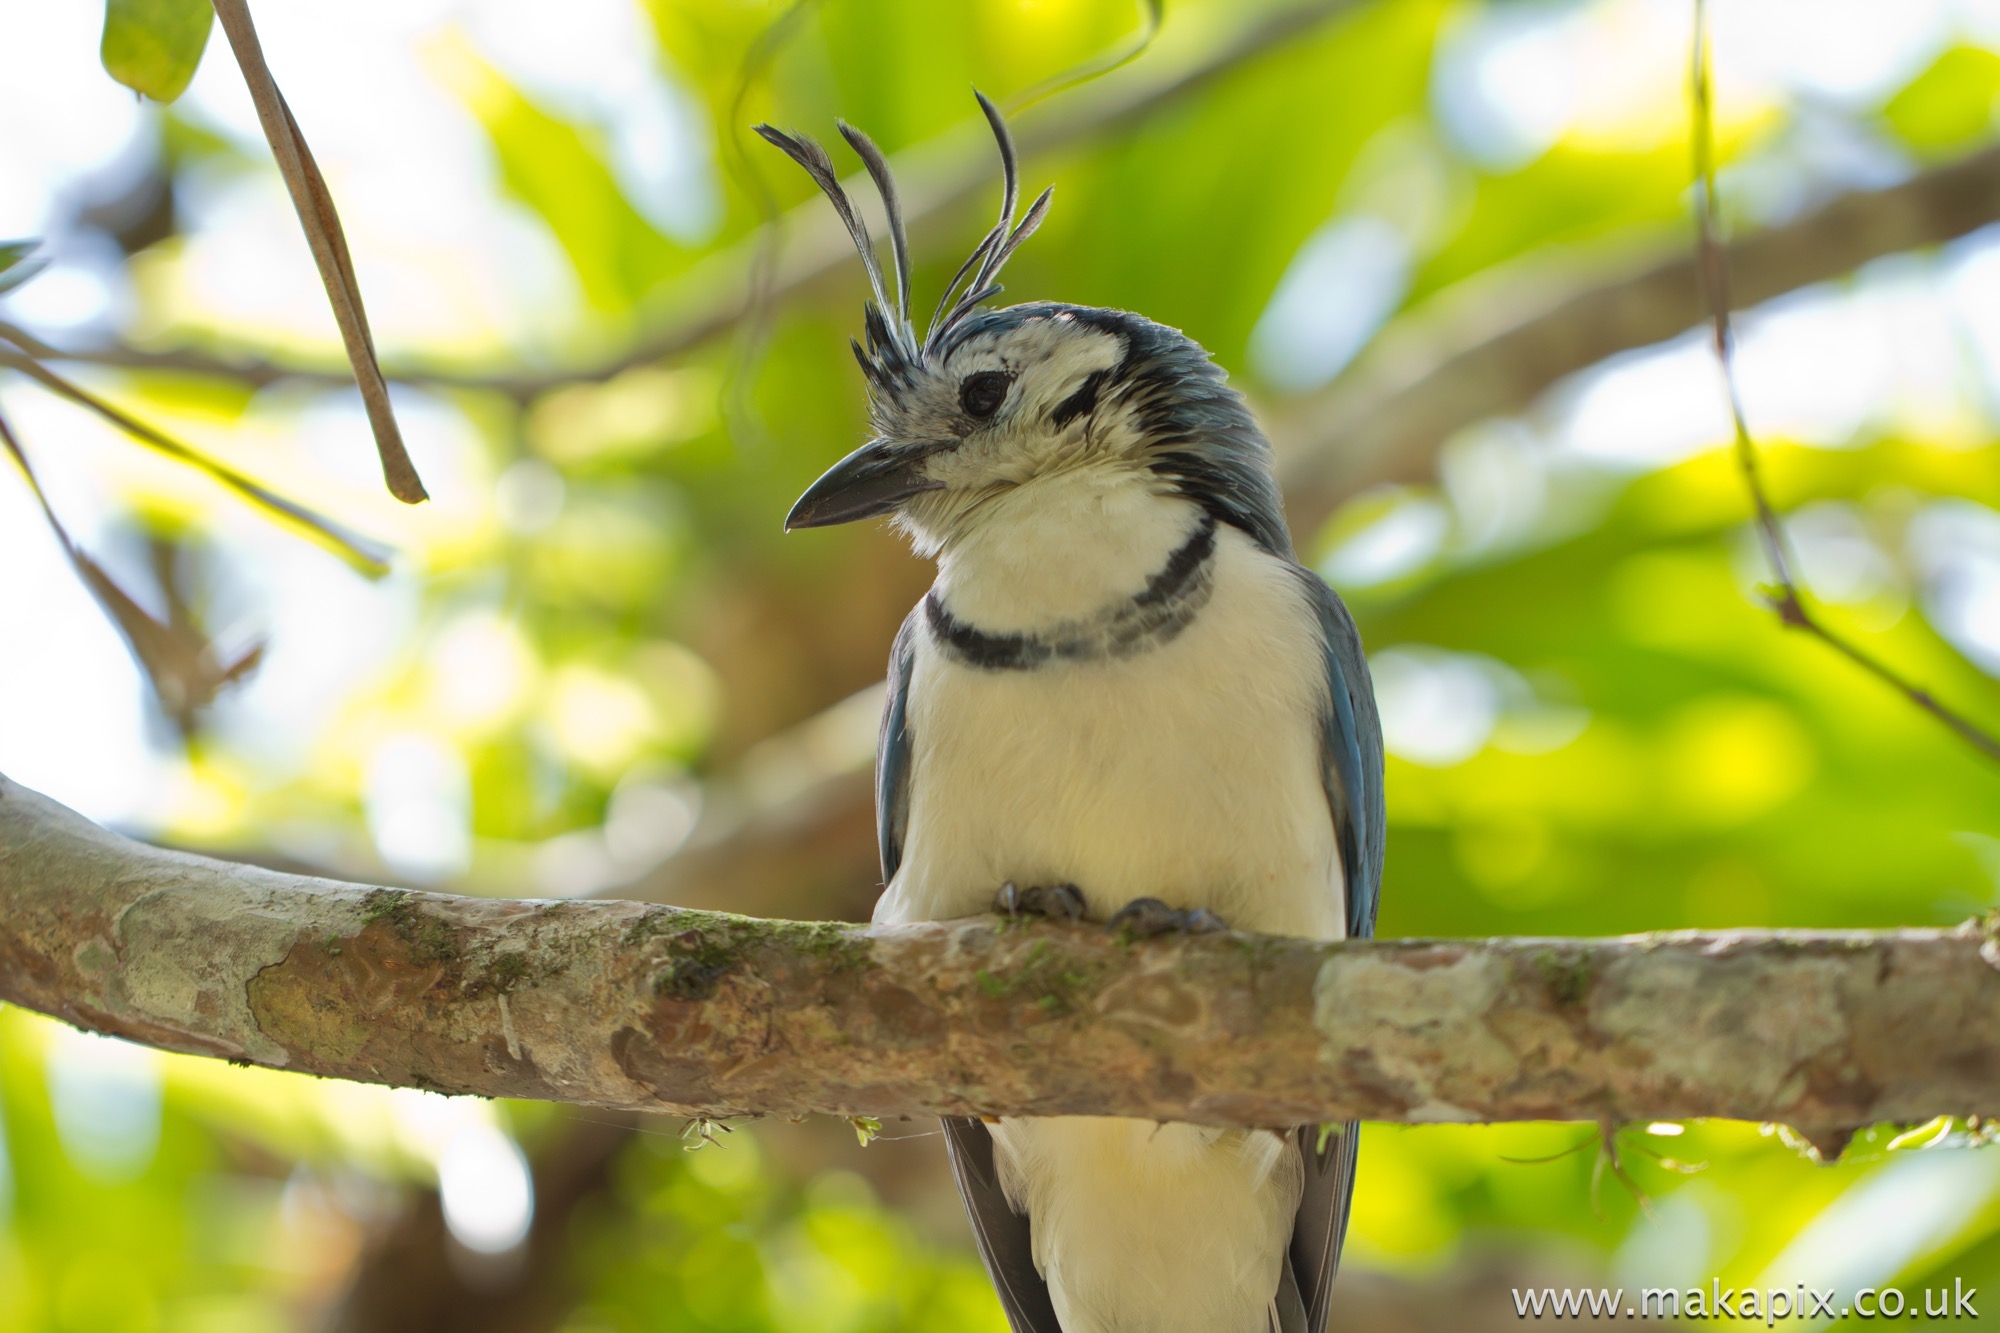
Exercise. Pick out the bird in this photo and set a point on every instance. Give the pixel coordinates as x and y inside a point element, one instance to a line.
<point>1123,701</point>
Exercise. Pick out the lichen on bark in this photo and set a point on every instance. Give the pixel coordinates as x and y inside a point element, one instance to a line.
<point>659,1008</point>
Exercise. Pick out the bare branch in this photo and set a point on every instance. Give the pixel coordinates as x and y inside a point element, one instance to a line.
<point>717,292</point>
<point>329,245</point>
<point>1488,348</point>
<point>367,556</point>
<point>625,1005</point>
<point>1787,598</point>
<point>1494,347</point>
<point>257,372</point>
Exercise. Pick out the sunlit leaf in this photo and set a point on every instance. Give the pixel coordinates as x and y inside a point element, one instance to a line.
<point>154,46</point>
<point>553,167</point>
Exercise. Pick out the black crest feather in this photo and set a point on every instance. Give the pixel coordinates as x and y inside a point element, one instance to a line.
<point>892,352</point>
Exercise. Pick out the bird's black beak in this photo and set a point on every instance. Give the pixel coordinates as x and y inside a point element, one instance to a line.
<point>872,480</point>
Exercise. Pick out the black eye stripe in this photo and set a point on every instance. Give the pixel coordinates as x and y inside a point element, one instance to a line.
<point>1080,403</point>
<point>982,392</point>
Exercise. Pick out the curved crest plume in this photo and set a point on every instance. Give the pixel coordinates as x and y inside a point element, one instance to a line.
<point>894,352</point>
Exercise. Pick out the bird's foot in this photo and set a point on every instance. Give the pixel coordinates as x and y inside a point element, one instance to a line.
<point>1057,902</point>
<point>1146,918</point>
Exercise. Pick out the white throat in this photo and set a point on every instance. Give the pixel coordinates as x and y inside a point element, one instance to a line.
<point>1061,548</point>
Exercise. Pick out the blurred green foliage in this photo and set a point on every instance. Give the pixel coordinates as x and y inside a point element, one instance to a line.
<point>721,1243</point>
<point>1950,105</point>
<point>610,603</point>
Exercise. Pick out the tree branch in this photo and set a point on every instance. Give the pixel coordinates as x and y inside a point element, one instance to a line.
<point>644,1007</point>
<point>1488,348</point>
<point>1494,350</point>
<point>717,292</point>
<point>1787,600</point>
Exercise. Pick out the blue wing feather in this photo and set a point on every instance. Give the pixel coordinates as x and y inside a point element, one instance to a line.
<point>892,752</point>
<point>1351,745</point>
<point>1351,768</point>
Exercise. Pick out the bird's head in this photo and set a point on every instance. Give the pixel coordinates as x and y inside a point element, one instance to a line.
<point>988,402</point>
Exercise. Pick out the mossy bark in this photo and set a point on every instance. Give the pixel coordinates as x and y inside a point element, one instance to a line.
<point>657,1008</point>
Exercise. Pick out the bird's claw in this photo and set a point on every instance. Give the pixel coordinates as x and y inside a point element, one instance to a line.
<point>1057,902</point>
<point>1145,918</point>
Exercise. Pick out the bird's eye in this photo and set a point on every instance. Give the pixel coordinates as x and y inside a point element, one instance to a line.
<point>981,394</point>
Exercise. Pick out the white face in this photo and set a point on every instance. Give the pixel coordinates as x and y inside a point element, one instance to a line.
<point>1047,418</point>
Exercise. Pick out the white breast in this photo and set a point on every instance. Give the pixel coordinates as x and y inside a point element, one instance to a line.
<point>1189,773</point>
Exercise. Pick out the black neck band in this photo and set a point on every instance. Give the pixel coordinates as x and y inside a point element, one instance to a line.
<point>1171,599</point>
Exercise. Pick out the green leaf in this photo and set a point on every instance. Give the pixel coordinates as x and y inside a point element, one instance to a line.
<point>1949,106</point>
<point>15,266</point>
<point>153,46</point>
<point>555,168</point>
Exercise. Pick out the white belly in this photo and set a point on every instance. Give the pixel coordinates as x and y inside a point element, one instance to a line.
<point>1189,773</point>
<point>1144,1228</point>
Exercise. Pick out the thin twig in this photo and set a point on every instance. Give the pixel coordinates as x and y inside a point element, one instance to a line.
<point>1608,1156</point>
<point>329,246</point>
<point>1152,13</point>
<point>365,555</point>
<point>255,372</point>
<point>179,659</point>
<point>1672,1164</point>
<point>1570,1151</point>
<point>1787,598</point>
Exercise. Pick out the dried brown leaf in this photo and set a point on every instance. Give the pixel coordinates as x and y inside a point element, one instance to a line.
<point>329,245</point>
<point>179,659</point>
